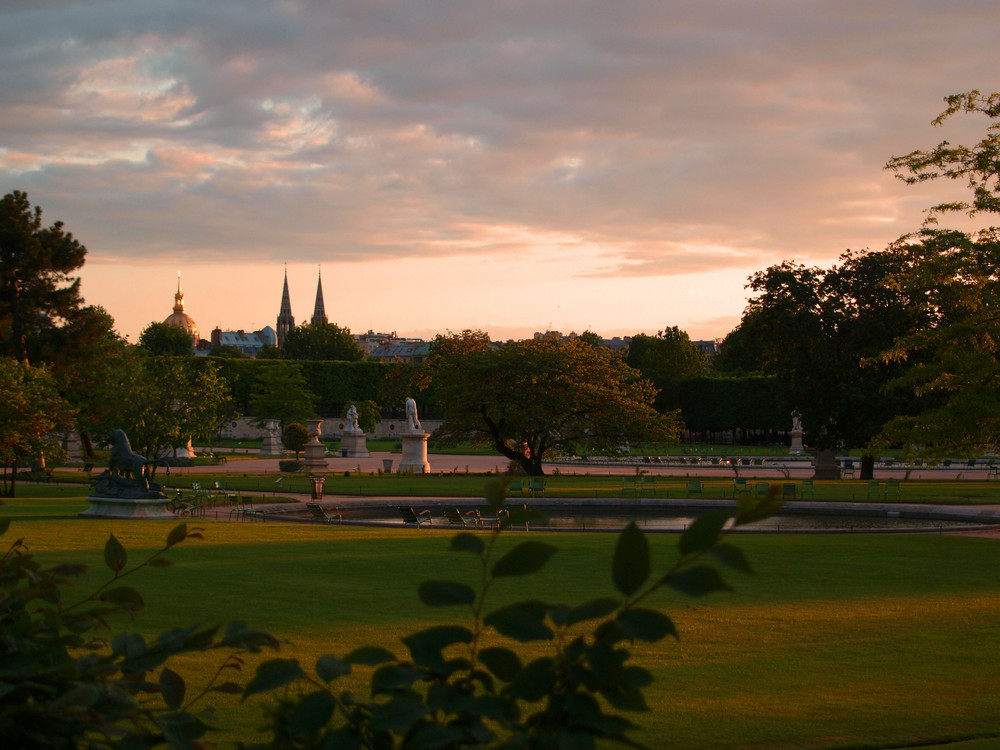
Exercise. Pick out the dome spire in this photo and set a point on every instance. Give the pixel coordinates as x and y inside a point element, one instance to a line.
<point>179,297</point>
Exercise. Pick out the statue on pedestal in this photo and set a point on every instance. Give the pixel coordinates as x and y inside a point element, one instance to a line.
<point>126,488</point>
<point>128,475</point>
<point>352,419</point>
<point>412,423</point>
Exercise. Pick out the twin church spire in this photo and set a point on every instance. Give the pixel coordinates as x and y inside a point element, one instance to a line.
<point>286,321</point>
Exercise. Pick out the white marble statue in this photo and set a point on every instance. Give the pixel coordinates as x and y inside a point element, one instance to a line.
<point>352,419</point>
<point>412,423</point>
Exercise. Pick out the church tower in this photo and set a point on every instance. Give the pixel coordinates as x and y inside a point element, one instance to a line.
<point>285,320</point>
<point>319,311</point>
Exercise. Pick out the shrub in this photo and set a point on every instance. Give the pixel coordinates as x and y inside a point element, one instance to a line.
<point>65,685</point>
<point>290,467</point>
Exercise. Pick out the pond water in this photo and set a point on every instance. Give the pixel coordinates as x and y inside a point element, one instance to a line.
<point>661,519</point>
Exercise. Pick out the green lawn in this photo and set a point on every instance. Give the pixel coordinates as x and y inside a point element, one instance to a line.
<point>836,642</point>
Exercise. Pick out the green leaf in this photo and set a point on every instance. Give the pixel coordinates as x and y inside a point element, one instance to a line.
<point>502,662</point>
<point>626,698</point>
<point>466,541</point>
<point>592,610</point>
<point>369,656</point>
<point>646,624</point>
<point>4,525</point>
<point>523,622</point>
<point>495,492</point>
<point>525,558</point>
<point>177,534</point>
<point>732,556</point>
<point>638,676</point>
<point>115,556</point>
<point>180,730</point>
<point>392,677</point>
<point>330,667</point>
<point>697,581</point>
<point>535,681</point>
<point>445,593</point>
<point>312,714</point>
<point>172,687</point>
<point>397,715</point>
<point>440,636</point>
<point>272,674</point>
<point>703,532</point>
<point>749,510</point>
<point>124,596</point>
<point>630,567</point>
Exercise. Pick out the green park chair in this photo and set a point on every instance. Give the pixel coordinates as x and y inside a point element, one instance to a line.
<point>414,518</point>
<point>319,513</point>
<point>457,517</point>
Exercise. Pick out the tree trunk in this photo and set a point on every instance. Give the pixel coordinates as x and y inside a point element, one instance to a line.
<point>867,467</point>
<point>88,445</point>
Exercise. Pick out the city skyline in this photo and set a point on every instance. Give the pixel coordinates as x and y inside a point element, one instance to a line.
<point>513,167</point>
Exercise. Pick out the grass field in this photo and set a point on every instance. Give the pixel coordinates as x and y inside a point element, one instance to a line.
<point>836,642</point>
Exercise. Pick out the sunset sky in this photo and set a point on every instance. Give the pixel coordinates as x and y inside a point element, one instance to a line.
<point>512,166</point>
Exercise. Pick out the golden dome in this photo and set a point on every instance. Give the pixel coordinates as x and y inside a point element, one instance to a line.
<point>179,318</point>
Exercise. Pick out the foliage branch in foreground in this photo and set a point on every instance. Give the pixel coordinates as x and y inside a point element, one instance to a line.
<point>65,682</point>
<point>466,685</point>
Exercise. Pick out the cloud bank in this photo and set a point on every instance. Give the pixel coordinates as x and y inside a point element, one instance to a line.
<point>652,138</point>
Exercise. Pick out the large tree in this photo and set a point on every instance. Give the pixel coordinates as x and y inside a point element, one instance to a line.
<point>665,358</point>
<point>321,341</point>
<point>282,393</point>
<point>37,289</point>
<point>31,414</point>
<point>162,402</point>
<point>163,339</point>
<point>533,400</point>
<point>954,280</point>
<point>820,332</point>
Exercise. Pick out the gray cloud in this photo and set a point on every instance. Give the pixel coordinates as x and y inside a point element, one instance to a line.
<point>664,137</point>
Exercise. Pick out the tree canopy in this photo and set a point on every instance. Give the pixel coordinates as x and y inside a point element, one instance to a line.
<point>952,278</point>
<point>321,341</point>
<point>820,333</point>
<point>36,262</point>
<point>665,358</point>
<point>31,414</point>
<point>165,340</point>
<point>536,399</point>
<point>162,402</point>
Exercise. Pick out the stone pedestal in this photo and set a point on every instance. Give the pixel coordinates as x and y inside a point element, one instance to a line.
<point>354,445</point>
<point>414,453</point>
<point>71,444</point>
<point>826,465</point>
<point>119,507</point>
<point>272,440</point>
<point>797,441</point>
<point>186,451</point>
<point>314,455</point>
